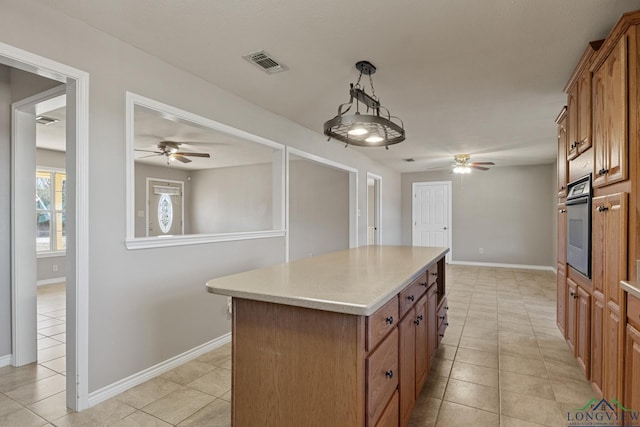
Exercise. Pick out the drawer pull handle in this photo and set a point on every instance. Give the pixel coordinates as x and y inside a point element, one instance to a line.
<point>603,171</point>
<point>411,298</point>
<point>441,317</point>
<point>389,320</point>
<point>417,322</point>
<point>446,323</point>
<point>389,374</point>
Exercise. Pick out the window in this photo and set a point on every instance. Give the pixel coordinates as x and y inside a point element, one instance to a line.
<point>50,211</point>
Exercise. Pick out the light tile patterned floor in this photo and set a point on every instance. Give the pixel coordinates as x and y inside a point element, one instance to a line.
<point>502,363</point>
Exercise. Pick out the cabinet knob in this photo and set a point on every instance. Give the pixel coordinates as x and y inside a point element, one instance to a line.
<point>446,323</point>
<point>417,322</point>
<point>563,211</point>
<point>571,293</point>
<point>441,317</point>
<point>389,320</point>
<point>389,374</point>
<point>603,171</point>
<point>424,284</point>
<point>434,274</point>
<point>446,308</point>
<point>420,317</point>
<point>441,335</point>
<point>411,298</point>
<point>602,208</point>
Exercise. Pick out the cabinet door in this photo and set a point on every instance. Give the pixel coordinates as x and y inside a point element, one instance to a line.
<point>597,323</point>
<point>407,330</point>
<point>432,324</point>
<point>610,346</point>
<point>598,216</point>
<point>583,331</point>
<point>584,112</point>
<point>615,245</point>
<point>422,361</point>
<point>572,123</point>
<point>632,369</point>
<point>563,170</point>
<point>561,314</point>
<point>610,117</point>
<point>572,311</point>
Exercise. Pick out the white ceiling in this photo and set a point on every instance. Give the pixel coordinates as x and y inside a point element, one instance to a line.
<point>483,77</point>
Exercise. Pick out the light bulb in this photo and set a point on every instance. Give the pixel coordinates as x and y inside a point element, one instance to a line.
<point>373,139</point>
<point>357,130</point>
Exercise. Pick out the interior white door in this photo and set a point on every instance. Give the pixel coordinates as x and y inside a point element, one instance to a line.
<point>431,214</point>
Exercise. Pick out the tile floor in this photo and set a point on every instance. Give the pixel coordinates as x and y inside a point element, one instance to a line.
<point>502,363</point>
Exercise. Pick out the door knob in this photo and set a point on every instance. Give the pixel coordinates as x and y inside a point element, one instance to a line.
<point>444,228</point>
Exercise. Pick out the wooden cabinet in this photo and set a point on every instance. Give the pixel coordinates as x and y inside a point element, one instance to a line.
<point>597,351</point>
<point>579,116</point>
<point>583,330</point>
<point>562,234</point>
<point>611,377</point>
<point>432,322</point>
<point>407,329</point>
<point>563,169</point>
<point>389,417</point>
<point>609,244</point>
<point>382,376</point>
<point>422,352</point>
<point>561,299</point>
<point>572,131</point>
<point>610,117</point>
<point>572,313</point>
<point>632,354</point>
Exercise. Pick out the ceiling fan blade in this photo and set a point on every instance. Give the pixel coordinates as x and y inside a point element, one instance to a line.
<point>481,163</point>
<point>147,151</point>
<point>150,155</point>
<point>482,168</point>
<point>180,158</point>
<point>186,153</point>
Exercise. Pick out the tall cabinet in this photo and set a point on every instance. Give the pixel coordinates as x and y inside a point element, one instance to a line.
<point>602,136</point>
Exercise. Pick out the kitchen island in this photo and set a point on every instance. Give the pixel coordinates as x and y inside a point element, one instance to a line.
<point>342,339</point>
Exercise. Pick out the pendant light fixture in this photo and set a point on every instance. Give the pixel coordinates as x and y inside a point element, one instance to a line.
<point>374,126</point>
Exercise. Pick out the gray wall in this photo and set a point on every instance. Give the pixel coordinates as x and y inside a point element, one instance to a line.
<point>146,306</point>
<point>232,199</point>
<point>318,209</point>
<point>142,172</point>
<point>507,211</point>
<point>45,265</point>
<point>15,85</point>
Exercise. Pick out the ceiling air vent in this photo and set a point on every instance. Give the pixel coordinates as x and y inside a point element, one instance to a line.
<point>409,160</point>
<point>265,62</point>
<point>44,120</point>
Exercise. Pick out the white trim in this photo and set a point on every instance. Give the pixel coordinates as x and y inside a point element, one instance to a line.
<point>286,204</point>
<point>138,378</point>
<point>133,242</point>
<point>377,205</point>
<point>198,239</point>
<point>501,265</point>
<point>353,192</point>
<point>5,360</point>
<point>77,82</point>
<point>42,282</point>
<point>449,255</point>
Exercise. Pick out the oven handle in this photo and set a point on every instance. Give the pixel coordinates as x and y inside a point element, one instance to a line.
<point>578,201</point>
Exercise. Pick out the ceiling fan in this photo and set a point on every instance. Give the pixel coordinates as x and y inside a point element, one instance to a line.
<point>171,150</point>
<point>463,165</point>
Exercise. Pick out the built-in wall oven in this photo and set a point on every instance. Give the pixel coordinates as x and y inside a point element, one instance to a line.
<point>579,225</point>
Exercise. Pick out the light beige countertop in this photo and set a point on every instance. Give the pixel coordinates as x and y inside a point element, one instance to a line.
<point>631,287</point>
<point>354,281</point>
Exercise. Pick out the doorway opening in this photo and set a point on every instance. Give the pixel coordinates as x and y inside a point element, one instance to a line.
<point>374,209</point>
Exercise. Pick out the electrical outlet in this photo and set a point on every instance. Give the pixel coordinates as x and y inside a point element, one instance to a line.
<point>481,251</point>
<point>55,267</point>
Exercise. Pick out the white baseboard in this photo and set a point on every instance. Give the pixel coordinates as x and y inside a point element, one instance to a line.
<point>499,265</point>
<point>51,281</point>
<point>5,360</point>
<point>126,383</point>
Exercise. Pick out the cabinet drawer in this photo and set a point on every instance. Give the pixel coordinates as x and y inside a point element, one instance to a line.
<point>382,376</point>
<point>432,275</point>
<point>633,311</point>
<point>389,417</point>
<point>381,322</point>
<point>442,313</point>
<point>412,293</point>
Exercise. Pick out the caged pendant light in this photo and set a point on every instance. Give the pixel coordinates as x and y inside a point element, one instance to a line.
<point>376,127</point>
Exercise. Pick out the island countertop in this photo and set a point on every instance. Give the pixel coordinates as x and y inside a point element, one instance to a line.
<point>354,281</point>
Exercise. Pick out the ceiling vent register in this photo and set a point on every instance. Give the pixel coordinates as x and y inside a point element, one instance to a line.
<point>265,62</point>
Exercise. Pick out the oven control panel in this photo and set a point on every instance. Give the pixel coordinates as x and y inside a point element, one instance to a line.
<point>579,189</point>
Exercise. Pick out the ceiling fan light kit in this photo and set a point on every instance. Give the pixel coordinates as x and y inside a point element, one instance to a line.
<point>378,129</point>
<point>462,164</point>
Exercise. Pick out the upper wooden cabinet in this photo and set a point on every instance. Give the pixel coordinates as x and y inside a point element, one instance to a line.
<point>610,116</point>
<point>563,170</point>
<point>579,104</point>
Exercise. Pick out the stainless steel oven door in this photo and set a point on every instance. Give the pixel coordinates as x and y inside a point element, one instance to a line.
<point>578,235</point>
